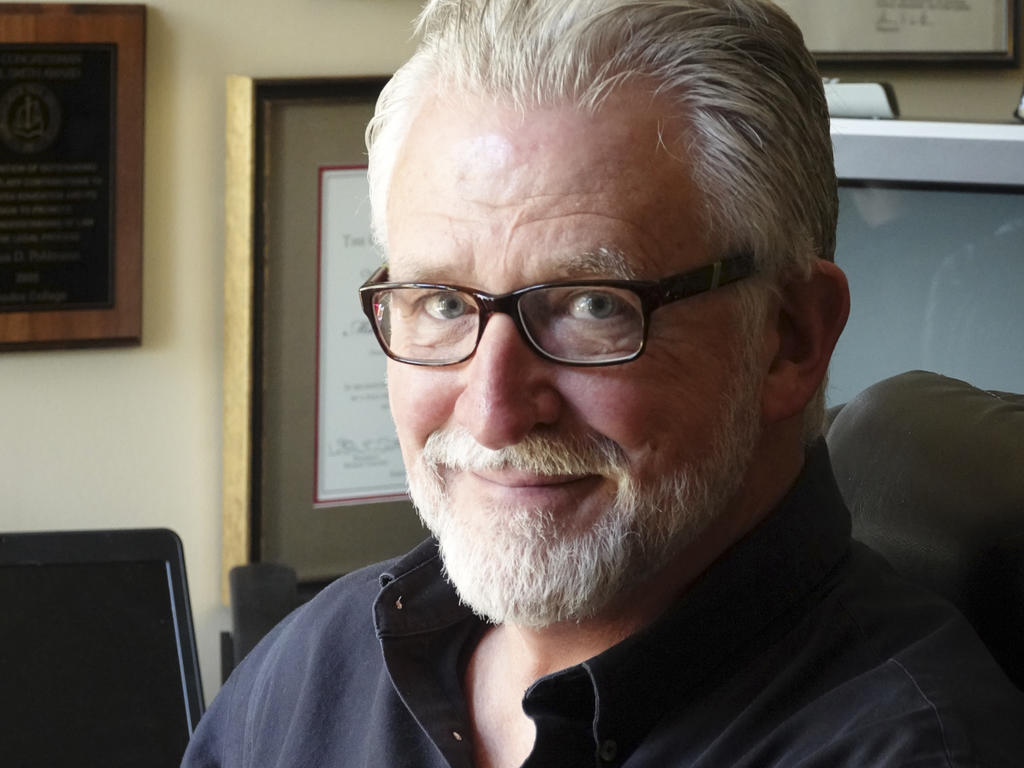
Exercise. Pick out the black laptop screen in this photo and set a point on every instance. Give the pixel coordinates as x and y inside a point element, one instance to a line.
<point>92,661</point>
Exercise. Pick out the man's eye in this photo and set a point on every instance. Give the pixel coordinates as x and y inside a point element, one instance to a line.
<point>446,306</point>
<point>594,305</point>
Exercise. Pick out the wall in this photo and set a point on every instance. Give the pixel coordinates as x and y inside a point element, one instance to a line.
<point>959,92</point>
<point>131,437</point>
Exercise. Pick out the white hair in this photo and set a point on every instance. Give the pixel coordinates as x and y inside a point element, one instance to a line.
<point>750,104</point>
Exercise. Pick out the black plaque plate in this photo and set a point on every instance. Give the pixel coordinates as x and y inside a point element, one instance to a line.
<point>57,118</point>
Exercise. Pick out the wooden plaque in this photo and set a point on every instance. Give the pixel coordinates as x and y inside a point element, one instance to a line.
<point>72,83</point>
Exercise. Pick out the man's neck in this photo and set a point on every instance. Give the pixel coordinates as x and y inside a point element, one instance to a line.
<point>509,658</point>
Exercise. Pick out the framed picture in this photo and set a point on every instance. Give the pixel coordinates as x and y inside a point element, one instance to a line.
<point>312,475</point>
<point>357,454</point>
<point>72,101</point>
<point>911,31</point>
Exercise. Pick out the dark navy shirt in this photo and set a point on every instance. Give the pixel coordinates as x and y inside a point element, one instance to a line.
<point>797,648</point>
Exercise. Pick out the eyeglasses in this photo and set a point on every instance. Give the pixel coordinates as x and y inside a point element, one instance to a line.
<point>574,322</point>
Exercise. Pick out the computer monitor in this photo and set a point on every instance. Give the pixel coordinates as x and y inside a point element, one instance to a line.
<point>931,236</point>
<point>97,650</point>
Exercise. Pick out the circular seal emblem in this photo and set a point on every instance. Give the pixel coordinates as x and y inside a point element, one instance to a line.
<point>29,117</point>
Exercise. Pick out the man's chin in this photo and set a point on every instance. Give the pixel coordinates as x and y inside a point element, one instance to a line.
<point>523,566</point>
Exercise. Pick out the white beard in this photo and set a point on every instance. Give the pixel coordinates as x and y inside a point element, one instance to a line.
<point>524,565</point>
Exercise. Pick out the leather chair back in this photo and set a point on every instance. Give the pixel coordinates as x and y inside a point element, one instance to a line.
<point>932,470</point>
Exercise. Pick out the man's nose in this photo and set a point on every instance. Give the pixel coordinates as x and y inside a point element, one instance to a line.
<point>507,388</point>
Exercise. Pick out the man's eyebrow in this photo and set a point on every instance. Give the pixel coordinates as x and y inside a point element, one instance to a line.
<point>415,270</point>
<point>600,262</point>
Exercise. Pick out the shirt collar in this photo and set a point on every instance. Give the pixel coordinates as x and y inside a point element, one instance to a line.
<point>415,597</point>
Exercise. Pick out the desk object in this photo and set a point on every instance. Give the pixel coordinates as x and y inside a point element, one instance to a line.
<point>861,100</point>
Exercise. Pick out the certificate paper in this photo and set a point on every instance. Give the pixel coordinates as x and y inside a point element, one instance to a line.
<point>357,454</point>
<point>951,27</point>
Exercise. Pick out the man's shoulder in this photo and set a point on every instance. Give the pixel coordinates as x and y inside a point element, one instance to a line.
<point>340,614</point>
<point>322,658</point>
<point>352,593</point>
<point>941,701</point>
<point>875,671</point>
<point>918,680</point>
<point>900,712</point>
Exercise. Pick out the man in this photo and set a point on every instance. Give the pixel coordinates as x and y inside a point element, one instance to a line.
<point>610,306</point>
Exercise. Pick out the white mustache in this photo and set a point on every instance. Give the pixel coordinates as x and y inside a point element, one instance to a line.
<point>455,448</point>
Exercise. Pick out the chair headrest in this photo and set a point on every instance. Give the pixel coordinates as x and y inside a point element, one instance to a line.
<point>932,469</point>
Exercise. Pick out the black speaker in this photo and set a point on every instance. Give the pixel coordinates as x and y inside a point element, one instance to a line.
<point>261,595</point>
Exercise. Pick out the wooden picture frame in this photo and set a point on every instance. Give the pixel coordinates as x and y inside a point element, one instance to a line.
<point>72,105</point>
<point>280,134</point>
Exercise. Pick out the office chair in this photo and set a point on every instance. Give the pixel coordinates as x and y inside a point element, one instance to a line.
<point>932,470</point>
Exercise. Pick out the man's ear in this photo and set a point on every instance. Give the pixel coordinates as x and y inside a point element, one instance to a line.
<point>811,315</point>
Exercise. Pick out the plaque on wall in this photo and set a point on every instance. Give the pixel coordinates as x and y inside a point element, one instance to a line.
<point>71,135</point>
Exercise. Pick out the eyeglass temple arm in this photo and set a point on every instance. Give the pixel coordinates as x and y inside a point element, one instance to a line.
<point>709,278</point>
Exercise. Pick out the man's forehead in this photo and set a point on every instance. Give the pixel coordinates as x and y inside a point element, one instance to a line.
<point>488,128</point>
<point>486,165</point>
<point>543,195</point>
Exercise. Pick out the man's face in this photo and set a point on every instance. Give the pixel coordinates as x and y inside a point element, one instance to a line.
<point>633,457</point>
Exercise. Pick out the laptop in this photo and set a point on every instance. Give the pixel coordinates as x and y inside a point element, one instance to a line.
<point>98,663</point>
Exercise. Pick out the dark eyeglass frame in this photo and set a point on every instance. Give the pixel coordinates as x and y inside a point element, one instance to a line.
<point>653,294</point>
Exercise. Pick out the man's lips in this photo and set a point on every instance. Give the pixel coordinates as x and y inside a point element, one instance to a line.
<point>513,478</point>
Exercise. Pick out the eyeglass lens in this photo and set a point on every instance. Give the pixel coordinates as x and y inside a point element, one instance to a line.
<point>583,324</point>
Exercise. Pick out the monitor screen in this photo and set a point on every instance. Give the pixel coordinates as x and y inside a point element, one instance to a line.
<point>94,658</point>
<point>931,237</point>
<point>936,283</point>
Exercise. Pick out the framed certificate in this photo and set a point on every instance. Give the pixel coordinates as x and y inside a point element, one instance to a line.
<point>357,454</point>
<point>312,474</point>
<point>982,31</point>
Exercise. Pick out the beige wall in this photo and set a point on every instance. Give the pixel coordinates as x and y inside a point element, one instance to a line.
<point>131,437</point>
<point>946,93</point>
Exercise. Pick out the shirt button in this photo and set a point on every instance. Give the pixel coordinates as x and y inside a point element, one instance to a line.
<point>608,750</point>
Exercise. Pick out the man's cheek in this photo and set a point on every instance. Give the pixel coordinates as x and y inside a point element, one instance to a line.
<point>418,407</point>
